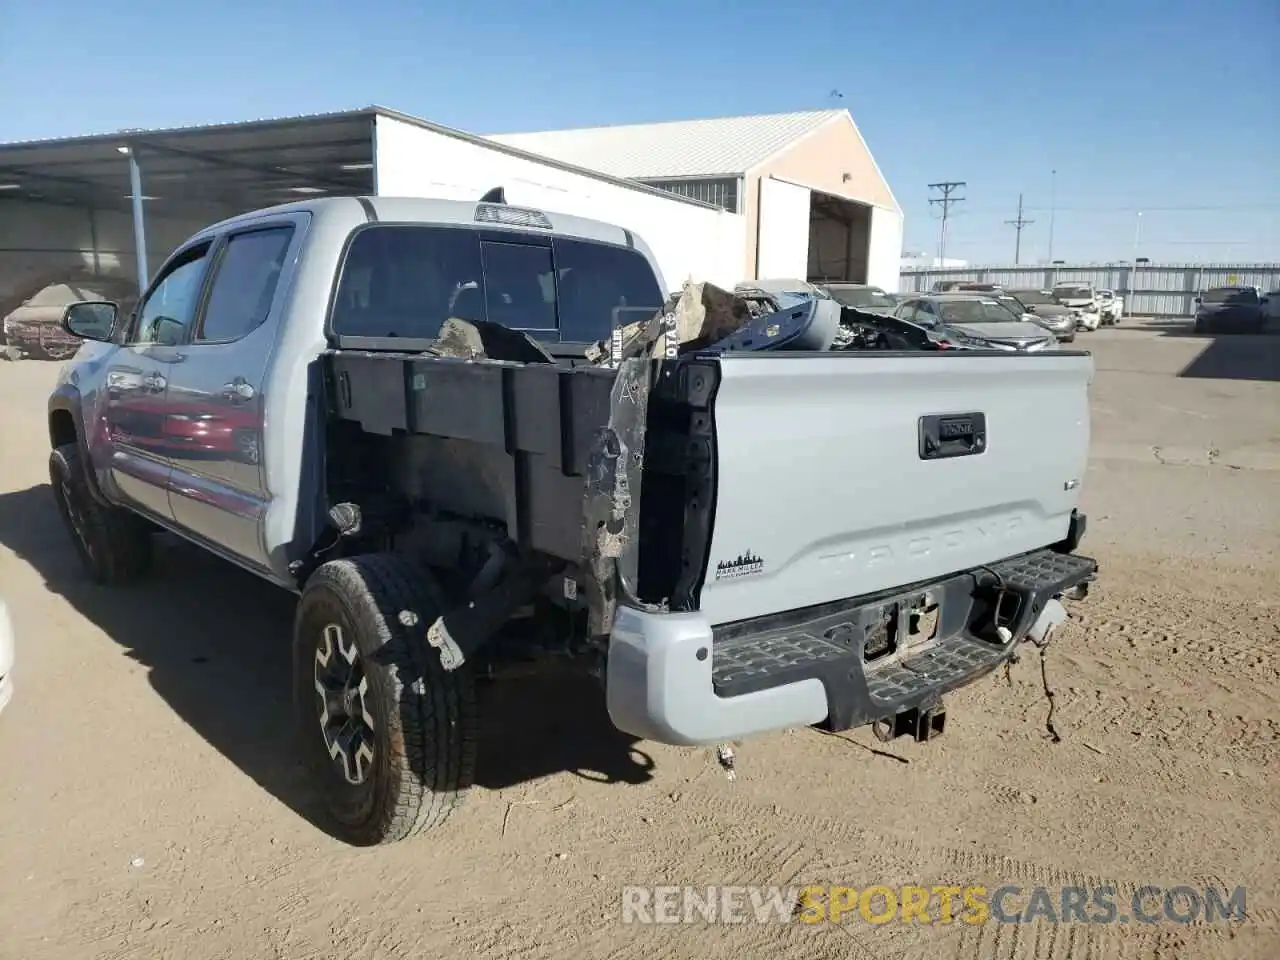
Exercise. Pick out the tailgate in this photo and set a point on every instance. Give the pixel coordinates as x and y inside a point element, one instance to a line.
<point>824,489</point>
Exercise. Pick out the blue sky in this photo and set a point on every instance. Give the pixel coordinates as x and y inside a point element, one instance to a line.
<point>1170,108</point>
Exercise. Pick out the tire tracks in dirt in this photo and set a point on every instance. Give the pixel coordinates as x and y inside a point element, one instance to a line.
<point>896,862</point>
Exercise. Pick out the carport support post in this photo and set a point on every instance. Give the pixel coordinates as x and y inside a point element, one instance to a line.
<point>139,222</point>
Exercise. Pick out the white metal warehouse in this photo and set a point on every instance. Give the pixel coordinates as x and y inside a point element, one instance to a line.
<point>114,205</point>
<point>813,199</point>
<point>794,195</point>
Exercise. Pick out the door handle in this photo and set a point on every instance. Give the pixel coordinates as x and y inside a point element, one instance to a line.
<point>238,389</point>
<point>155,382</point>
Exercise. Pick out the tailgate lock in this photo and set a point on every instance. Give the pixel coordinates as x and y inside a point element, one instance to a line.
<point>952,435</point>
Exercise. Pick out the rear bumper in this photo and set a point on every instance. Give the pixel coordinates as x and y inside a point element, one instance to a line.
<point>675,679</point>
<point>1232,320</point>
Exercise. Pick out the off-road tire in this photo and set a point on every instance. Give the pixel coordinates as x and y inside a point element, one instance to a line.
<point>425,720</point>
<point>114,545</point>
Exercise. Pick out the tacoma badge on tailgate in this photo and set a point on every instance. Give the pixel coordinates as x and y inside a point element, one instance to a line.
<point>952,435</point>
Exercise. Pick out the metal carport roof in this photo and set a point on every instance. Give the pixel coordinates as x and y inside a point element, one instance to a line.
<point>228,167</point>
<point>258,163</point>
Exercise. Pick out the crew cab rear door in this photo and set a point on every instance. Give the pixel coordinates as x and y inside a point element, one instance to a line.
<point>215,399</point>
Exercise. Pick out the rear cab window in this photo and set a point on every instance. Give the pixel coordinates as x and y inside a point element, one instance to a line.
<point>1244,295</point>
<point>405,280</point>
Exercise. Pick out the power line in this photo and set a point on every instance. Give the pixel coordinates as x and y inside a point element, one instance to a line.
<point>1204,208</point>
<point>1018,225</point>
<point>1053,206</point>
<point>946,188</point>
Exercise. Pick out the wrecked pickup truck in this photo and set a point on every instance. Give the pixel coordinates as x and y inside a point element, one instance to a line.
<point>475,437</point>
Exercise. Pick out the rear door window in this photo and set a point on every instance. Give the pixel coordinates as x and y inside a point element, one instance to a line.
<point>406,280</point>
<point>602,287</point>
<point>244,284</point>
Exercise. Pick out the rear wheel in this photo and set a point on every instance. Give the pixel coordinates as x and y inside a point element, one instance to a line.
<point>113,544</point>
<point>389,734</point>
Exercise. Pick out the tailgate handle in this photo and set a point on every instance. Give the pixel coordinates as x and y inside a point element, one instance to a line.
<point>952,435</point>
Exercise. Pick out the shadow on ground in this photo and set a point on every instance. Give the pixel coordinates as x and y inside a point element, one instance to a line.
<point>215,640</point>
<point>1226,356</point>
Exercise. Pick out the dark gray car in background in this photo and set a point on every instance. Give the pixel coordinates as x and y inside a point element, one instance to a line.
<point>1231,309</point>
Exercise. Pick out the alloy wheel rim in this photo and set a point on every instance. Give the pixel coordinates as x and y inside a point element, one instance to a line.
<point>342,690</point>
<point>73,514</point>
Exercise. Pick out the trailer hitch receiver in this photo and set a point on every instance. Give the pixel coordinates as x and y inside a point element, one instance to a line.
<point>922,723</point>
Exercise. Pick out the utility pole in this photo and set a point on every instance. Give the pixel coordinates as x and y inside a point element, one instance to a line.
<point>946,188</point>
<point>1018,225</point>
<point>1053,207</point>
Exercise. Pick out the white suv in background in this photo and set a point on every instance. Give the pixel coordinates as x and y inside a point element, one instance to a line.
<point>1080,296</point>
<point>6,655</point>
<point>1110,306</point>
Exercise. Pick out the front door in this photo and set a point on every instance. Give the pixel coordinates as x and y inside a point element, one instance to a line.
<point>218,491</point>
<point>136,420</point>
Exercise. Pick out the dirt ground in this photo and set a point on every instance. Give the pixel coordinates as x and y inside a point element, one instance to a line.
<point>151,805</point>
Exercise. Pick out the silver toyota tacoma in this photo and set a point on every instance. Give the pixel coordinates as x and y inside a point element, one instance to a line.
<point>423,418</point>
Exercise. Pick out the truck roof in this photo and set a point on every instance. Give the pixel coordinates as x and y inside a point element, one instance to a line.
<point>352,211</point>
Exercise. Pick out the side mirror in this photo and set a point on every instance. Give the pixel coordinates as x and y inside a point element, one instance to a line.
<point>1031,308</point>
<point>91,320</point>
<point>169,332</point>
<point>1197,299</point>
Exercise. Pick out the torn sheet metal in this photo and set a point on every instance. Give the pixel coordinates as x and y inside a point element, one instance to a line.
<point>698,316</point>
<point>611,502</point>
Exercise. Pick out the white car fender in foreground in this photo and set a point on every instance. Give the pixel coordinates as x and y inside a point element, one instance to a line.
<point>6,656</point>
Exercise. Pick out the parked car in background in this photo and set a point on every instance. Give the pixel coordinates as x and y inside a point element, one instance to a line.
<point>871,330</point>
<point>946,286</point>
<point>975,322</point>
<point>1271,309</point>
<point>1080,297</point>
<point>1110,307</point>
<point>983,287</point>
<point>35,325</point>
<point>1002,297</point>
<point>1230,310</point>
<point>787,288</point>
<point>1051,314</point>
<point>6,656</point>
<point>861,296</point>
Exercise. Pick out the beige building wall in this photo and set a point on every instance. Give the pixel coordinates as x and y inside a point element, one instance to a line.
<point>819,161</point>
